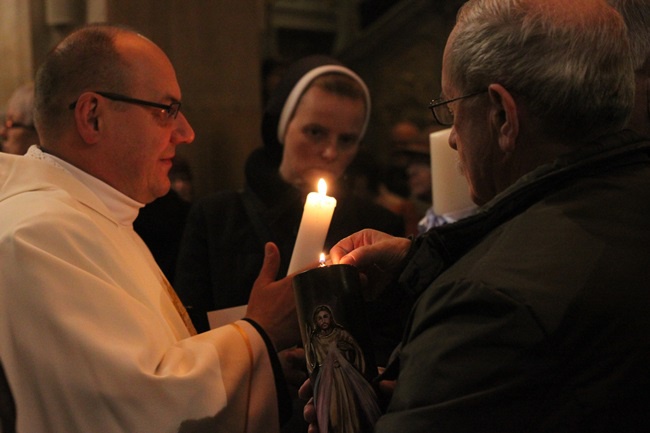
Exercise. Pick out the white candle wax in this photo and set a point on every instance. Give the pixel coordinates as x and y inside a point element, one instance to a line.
<point>450,189</point>
<point>314,225</point>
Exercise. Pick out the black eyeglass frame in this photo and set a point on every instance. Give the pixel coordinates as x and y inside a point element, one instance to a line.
<point>172,109</point>
<point>440,102</point>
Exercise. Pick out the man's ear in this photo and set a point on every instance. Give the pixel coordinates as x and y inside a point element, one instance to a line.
<point>504,117</point>
<point>86,116</point>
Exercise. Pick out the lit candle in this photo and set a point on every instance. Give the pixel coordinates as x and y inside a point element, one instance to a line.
<point>314,225</point>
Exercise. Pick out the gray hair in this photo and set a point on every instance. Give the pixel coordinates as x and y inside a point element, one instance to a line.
<point>21,103</point>
<point>87,60</point>
<point>636,14</point>
<point>571,64</point>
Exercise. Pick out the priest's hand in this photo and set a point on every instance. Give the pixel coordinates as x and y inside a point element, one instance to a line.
<point>377,255</point>
<point>271,303</point>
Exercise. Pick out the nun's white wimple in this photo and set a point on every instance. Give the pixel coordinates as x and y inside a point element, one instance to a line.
<point>303,83</point>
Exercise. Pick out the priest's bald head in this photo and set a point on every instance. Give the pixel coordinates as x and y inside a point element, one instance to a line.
<point>108,101</point>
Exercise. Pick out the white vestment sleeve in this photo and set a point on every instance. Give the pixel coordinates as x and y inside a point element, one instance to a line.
<point>91,342</point>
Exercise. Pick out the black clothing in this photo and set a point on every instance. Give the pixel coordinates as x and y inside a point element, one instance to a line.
<point>532,315</point>
<point>160,224</point>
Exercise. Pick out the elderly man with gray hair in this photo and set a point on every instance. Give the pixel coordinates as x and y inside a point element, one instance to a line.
<point>532,315</point>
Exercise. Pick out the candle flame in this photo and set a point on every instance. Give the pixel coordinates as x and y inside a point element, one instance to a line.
<point>321,260</point>
<point>322,186</point>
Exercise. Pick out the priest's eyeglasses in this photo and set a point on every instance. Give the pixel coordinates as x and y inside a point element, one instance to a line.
<point>441,111</point>
<point>171,110</point>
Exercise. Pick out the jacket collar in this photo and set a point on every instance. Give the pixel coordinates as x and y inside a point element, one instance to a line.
<point>440,247</point>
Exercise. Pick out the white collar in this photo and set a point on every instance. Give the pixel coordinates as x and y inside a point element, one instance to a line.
<point>123,207</point>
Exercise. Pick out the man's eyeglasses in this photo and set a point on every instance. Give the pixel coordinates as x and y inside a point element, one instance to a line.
<point>10,124</point>
<point>171,109</point>
<point>441,111</point>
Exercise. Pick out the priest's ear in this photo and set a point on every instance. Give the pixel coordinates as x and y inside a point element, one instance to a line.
<point>87,112</point>
<point>504,117</point>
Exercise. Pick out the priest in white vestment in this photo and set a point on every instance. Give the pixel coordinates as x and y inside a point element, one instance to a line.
<point>92,337</point>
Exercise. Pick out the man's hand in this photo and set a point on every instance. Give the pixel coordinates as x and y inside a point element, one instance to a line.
<point>272,304</point>
<point>377,255</point>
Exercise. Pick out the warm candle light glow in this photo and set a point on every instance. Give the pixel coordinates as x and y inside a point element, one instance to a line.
<point>315,223</point>
<point>321,261</point>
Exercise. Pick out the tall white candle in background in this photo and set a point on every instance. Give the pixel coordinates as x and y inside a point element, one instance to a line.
<point>314,225</point>
<point>450,189</point>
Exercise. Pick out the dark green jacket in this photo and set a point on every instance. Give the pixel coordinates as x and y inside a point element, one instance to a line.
<point>534,315</point>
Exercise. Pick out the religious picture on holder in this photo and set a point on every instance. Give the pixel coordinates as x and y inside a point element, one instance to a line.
<point>338,348</point>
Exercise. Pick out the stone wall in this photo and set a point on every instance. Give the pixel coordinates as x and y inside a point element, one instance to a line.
<point>215,48</point>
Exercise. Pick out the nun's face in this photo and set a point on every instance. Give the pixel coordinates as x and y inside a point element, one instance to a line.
<point>321,139</point>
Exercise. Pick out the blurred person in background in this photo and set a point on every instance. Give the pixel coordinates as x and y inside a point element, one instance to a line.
<point>17,131</point>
